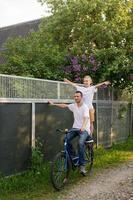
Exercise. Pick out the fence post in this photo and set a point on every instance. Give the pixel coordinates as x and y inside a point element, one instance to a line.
<point>111,128</point>
<point>58,90</point>
<point>97,140</point>
<point>33,126</point>
<point>132,117</point>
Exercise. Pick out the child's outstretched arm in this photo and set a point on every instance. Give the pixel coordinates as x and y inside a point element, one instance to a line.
<point>103,83</point>
<point>70,82</point>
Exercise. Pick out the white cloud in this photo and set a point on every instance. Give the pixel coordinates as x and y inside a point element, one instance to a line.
<point>16,11</point>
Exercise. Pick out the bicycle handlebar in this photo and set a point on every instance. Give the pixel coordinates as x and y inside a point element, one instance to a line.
<point>61,130</point>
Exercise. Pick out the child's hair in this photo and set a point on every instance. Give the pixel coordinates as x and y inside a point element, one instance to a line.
<point>88,77</point>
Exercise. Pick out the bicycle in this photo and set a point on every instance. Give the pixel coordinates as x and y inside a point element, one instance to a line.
<point>63,162</point>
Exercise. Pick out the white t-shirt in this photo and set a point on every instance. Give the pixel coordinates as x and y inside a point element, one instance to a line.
<point>79,113</point>
<point>88,94</point>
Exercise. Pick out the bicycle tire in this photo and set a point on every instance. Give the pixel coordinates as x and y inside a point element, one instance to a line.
<point>89,155</point>
<point>60,168</point>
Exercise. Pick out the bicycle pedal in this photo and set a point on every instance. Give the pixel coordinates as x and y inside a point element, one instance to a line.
<point>75,158</point>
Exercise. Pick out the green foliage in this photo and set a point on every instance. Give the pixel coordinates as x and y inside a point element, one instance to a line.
<point>103,28</point>
<point>30,185</point>
<point>75,28</point>
<point>34,179</point>
<point>31,56</point>
<point>37,159</point>
<point>119,153</point>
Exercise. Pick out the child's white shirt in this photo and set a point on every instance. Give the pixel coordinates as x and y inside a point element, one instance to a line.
<point>88,94</point>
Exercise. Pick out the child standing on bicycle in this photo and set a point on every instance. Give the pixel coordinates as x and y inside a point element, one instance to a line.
<point>88,91</point>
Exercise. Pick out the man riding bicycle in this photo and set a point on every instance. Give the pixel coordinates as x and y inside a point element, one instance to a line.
<point>81,126</point>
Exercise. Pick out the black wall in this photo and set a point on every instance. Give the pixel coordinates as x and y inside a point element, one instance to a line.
<point>15,137</point>
<point>15,131</point>
<point>48,119</point>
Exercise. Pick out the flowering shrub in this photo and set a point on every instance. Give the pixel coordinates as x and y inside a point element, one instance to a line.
<point>80,66</point>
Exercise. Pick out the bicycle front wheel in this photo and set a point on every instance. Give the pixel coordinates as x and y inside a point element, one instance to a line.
<point>60,170</point>
<point>89,155</point>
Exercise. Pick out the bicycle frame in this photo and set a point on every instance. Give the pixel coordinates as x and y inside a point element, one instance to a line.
<point>64,162</point>
<point>75,160</point>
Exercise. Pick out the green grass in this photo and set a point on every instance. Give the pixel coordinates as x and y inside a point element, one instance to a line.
<point>37,186</point>
<point>117,154</point>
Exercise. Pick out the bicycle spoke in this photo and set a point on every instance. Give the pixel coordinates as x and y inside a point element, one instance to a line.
<point>59,171</point>
<point>89,156</point>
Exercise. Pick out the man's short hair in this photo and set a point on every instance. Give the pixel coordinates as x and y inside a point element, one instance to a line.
<point>79,92</point>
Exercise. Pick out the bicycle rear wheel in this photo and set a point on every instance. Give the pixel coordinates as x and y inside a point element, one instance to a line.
<point>89,155</point>
<point>60,170</point>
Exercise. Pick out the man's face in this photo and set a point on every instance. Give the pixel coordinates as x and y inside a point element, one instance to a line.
<point>77,97</point>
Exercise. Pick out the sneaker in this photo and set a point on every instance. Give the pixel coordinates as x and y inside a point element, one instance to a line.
<point>83,170</point>
<point>89,139</point>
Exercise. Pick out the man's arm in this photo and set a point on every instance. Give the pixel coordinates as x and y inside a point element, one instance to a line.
<point>85,121</point>
<point>60,105</point>
<point>103,83</point>
<point>70,82</point>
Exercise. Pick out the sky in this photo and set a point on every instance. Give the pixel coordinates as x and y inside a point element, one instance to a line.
<point>17,11</point>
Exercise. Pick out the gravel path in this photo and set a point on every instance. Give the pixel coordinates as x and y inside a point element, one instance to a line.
<point>110,184</point>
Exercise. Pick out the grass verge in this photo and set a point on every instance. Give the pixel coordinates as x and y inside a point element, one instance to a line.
<point>36,185</point>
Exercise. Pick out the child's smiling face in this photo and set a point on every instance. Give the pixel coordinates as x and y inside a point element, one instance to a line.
<point>87,81</point>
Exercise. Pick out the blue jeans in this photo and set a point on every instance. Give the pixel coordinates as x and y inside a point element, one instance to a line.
<point>72,133</point>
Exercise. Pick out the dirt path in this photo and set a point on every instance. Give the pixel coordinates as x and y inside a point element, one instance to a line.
<point>110,184</point>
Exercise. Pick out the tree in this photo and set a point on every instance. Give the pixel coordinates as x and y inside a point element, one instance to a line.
<point>80,37</point>
<point>33,56</point>
<point>99,28</point>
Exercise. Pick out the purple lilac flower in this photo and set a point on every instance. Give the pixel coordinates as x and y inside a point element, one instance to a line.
<point>68,69</point>
<point>94,68</point>
<point>92,59</point>
<point>74,60</point>
<point>76,68</point>
<point>78,79</point>
<point>84,69</point>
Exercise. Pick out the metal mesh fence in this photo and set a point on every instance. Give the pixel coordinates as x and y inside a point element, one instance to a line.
<point>113,119</point>
<point>105,93</point>
<point>120,118</point>
<point>114,122</point>
<point>12,87</point>
<point>104,123</point>
<point>28,88</point>
<point>31,88</point>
